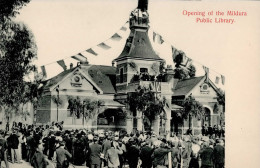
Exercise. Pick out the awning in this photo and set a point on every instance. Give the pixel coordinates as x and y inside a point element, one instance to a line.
<point>176,107</point>
<point>112,103</point>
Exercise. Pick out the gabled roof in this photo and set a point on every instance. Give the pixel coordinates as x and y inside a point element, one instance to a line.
<point>56,79</point>
<point>103,76</point>
<point>100,76</point>
<point>183,87</point>
<point>139,48</point>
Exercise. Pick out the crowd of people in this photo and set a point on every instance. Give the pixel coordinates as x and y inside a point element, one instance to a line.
<point>40,145</point>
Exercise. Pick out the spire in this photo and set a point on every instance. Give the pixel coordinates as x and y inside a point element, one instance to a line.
<point>138,44</point>
<point>142,5</point>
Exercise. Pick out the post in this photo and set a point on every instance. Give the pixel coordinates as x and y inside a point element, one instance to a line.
<point>57,90</point>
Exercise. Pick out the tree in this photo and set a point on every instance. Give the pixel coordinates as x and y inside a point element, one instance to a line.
<point>191,109</point>
<point>17,50</point>
<point>10,8</point>
<point>147,102</point>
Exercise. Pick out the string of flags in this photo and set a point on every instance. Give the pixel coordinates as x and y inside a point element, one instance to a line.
<point>81,57</point>
<point>180,56</point>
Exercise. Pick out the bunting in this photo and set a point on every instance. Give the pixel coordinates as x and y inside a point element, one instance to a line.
<point>91,51</point>
<point>116,37</point>
<point>81,58</point>
<point>217,80</point>
<point>44,71</point>
<point>174,53</point>
<point>123,28</point>
<point>62,64</point>
<point>223,79</point>
<point>154,36</point>
<point>160,39</point>
<point>104,46</point>
<point>206,69</point>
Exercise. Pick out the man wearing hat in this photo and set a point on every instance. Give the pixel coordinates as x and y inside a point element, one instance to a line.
<point>219,154</point>
<point>94,153</point>
<point>3,149</point>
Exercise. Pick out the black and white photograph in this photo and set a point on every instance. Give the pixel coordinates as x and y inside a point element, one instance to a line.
<point>129,83</point>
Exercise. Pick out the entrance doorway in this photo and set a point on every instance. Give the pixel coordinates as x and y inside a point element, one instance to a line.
<point>206,119</point>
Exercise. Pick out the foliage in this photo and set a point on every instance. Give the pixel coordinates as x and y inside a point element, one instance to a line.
<point>185,73</point>
<point>162,67</point>
<point>87,108</point>
<point>10,8</point>
<point>146,101</point>
<point>192,108</point>
<point>181,73</point>
<point>192,70</point>
<point>179,59</point>
<point>18,49</point>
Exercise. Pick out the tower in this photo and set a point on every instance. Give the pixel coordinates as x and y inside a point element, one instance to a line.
<point>138,56</point>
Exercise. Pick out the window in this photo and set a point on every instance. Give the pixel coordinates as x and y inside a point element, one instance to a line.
<point>143,70</point>
<point>121,71</point>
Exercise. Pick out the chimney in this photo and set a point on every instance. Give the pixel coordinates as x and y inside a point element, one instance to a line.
<point>71,65</point>
<point>113,63</point>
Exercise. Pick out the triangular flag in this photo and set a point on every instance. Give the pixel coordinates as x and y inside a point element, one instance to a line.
<point>104,46</point>
<point>116,37</point>
<point>62,64</point>
<point>154,36</point>
<point>159,39</point>
<point>174,52</point>
<point>44,71</point>
<point>90,50</point>
<point>206,69</point>
<point>217,80</point>
<point>123,28</point>
<point>81,58</point>
<point>223,79</point>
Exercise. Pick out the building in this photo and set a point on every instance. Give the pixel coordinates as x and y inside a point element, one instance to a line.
<point>97,96</point>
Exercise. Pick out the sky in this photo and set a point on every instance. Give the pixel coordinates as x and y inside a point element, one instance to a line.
<point>63,28</point>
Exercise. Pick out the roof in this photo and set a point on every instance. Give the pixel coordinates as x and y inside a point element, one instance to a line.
<point>103,76</point>
<point>183,87</point>
<point>140,48</point>
<point>56,79</point>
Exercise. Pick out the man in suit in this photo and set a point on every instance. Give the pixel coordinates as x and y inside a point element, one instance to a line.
<point>219,154</point>
<point>94,153</point>
<point>206,155</point>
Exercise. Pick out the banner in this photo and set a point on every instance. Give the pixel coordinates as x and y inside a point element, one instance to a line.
<point>44,71</point>
<point>223,79</point>
<point>91,51</point>
<point>123,28</point>
<point>206,69</point>
<point>217,80</point>
<point>62,64</point>
<point>104,46</point>
<point>81,58</point>
<point>116,37</point>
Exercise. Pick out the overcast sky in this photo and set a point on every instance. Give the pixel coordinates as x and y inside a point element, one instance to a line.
<point>63,28</point>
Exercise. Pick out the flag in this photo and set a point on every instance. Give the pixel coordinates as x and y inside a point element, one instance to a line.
<point>223,79</point>
<point>104,46</point>
<point>81,58</point>
<point>116,37</point>
<point>62,64</point>
<point>159,39</point>
<point>206,69</point>
<point>44,71</point>
<point>154,36</point>
<point>217,80</point>
<point>123,28</point>
<point>91,51</point>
